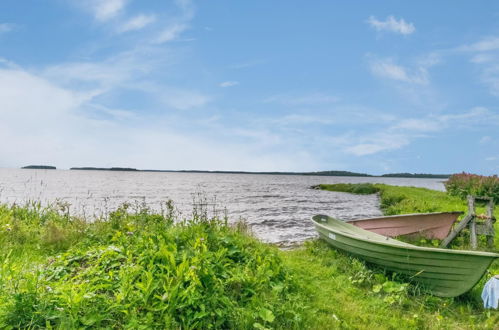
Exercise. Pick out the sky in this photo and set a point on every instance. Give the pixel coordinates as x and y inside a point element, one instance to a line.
<point>366,86</point>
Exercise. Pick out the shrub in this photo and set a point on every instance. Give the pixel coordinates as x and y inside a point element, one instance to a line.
<point>464,184</point>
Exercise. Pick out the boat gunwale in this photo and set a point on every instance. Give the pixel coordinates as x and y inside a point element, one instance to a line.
<point>408,215</point>
<point>405,246</point>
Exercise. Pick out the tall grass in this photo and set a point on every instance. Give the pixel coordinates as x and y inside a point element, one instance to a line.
<point>139,270</point>
<point>464,184</point>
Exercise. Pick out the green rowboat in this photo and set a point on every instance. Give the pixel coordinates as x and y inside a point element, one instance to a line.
<point>445,273</point>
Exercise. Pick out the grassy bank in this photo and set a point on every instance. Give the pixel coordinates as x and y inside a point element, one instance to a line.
<point>138,269</point>
<point>357,290</point>
<point>403,200</point>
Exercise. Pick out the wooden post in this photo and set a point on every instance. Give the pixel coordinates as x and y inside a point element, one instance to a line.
<point>486,229</point>
<point>473,239</point>
<point>489,223</point>
<point>462,224</point>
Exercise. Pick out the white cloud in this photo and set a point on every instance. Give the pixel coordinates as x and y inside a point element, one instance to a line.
<point>179,24</point>
<point>386,68</point>
<point>137,23</point>
<point>246,64</point>
<point>484,54</point>
<point>475,113</point>
<point>421,125</point>
<point>105,10</point>
<point>129,70</point>
<point>485,139</point>
<point>484,45</point>
<point>6,27</point>
<point>378,142</point>
<point>393,137</point>
<point>482,58</point>
<point>62,133</point>
<point>229,83</point>
<point>311,99</point>
<point>171,33</point>
<point>392,24</point>
<point>183,99</point>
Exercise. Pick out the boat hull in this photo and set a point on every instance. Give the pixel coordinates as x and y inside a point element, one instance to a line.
<point>427,225</point>
<point>445,273</point>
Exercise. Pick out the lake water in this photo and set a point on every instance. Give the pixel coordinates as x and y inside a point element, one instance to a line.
<point>278,207</point>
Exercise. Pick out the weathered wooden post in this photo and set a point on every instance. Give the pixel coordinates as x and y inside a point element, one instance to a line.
<point>462,224</point>
<point>470,220</point>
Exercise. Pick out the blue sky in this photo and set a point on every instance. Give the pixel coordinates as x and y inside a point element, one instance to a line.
<point>376,87</point>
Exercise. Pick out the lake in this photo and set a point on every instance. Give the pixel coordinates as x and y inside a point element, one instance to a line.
<point>278,207</point>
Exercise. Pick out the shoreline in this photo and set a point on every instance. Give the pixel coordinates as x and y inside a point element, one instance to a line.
<point>212,263</point>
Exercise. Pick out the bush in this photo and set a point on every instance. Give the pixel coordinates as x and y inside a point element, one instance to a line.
<point>464,184</point>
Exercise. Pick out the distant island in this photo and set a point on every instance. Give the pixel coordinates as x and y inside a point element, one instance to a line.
<point>129,169</point>
<point>318,173</point>
<point>39,167</point>
<point>417,175</point>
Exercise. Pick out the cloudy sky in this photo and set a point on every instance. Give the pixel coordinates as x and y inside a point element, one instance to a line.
<point>377,87</point>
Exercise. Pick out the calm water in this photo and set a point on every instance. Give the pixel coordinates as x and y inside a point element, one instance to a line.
<point>278,207</point>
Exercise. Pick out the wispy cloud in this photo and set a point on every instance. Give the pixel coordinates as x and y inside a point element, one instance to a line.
<point>310,99</point>
<point>229,83</point>
<point>378,142</point>
<point>181,99</point>
<point>485,139</point>
<point>177,25</point>
<point>171,32</point>
<point>62,132</point>
<point>137,23</point>
<point>387,68</point>
<point>105,10</point>
<point>484,45</point>
<point>6,27</point>
<point>418,125</point>
<point>129,70</point>
<point>391,24</point>
<point>484,54</point>
<point>246,64</point>
<point>407,130</point>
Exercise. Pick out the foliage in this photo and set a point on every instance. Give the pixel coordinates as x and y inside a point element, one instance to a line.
<point>140,270</point>
<point>359,188</point>
<point>428,311</point>
<point>345,293</point>
<point>464,184</point>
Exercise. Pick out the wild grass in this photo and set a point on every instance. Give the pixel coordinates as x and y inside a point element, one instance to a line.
<point>432,312</point>
<point>137,269</point>
<point>464,184</point>
<point>359,188</point>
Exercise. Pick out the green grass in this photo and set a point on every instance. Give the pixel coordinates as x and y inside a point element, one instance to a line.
<point>136,269</point>
<point>360,188</point>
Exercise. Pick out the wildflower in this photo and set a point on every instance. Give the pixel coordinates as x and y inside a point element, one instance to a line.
<point>48,288</point>
<point>129,233</point>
